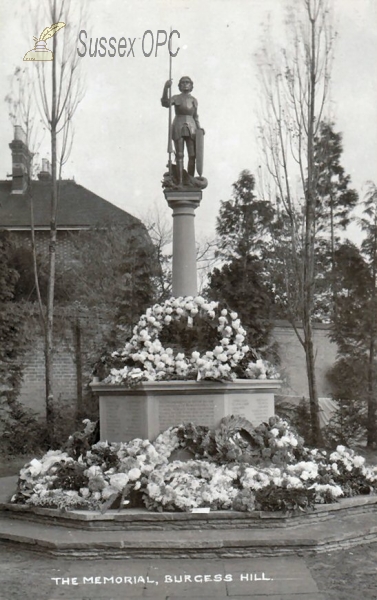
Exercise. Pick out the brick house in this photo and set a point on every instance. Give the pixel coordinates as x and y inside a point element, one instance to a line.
<point>79,209</point>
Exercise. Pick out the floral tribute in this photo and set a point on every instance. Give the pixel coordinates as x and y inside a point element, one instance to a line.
<point>187,324</point>
<point>234,467</point>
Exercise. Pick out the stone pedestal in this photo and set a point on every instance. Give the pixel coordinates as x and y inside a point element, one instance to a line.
<point>152,407</point>
<point>183,203</point>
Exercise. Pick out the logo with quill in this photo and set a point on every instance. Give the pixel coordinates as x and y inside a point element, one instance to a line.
<point>40,51</point>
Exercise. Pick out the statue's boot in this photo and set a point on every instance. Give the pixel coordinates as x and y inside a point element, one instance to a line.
<point>191,166</point>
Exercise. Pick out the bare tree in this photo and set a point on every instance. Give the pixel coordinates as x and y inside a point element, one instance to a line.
<point>206,259</point>
<point>59,91</point>
<point>160,230</point>
<point>295,86</point>
<point>23,113</point>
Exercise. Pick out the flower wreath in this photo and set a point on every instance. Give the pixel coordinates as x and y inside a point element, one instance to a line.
<point>146,359</point>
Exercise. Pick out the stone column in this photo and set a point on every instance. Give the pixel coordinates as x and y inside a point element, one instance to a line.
<point>183,203</point>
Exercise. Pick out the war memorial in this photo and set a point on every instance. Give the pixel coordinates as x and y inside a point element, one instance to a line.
<point>155,406</point>
<point>191,461</point>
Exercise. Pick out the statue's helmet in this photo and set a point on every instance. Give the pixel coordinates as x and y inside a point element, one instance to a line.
<point>187,79</point>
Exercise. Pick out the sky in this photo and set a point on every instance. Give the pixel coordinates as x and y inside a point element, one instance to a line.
<point>120,144</point>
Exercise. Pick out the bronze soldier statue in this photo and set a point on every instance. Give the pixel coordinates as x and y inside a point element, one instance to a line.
<point>185,124</point>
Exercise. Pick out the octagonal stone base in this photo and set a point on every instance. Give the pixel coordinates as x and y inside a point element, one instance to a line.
<point>152,407</point>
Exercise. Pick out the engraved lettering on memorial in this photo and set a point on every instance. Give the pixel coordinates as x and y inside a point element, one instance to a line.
<point>240,407</point>
<point>173,411</point>
<point>256,410</point>
<point>261,409</point>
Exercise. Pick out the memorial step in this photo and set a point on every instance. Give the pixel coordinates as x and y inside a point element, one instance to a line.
<point>52,539</point>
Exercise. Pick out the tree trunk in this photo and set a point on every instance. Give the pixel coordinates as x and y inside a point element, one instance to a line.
<point>372,424</point>
<point>333,271</point>
<point>371,427</point>
<point>312,384</point>
<point>309,258</point>
<point>49,347</point>
<point>78,356</point>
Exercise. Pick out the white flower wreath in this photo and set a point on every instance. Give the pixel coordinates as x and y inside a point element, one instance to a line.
<point>158,363</point>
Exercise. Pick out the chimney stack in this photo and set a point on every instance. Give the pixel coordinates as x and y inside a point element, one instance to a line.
<point>45,172</point>
<point>21,161</point>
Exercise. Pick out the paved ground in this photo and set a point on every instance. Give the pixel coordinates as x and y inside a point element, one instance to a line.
<point>344,575</point>
<point>31,577</point>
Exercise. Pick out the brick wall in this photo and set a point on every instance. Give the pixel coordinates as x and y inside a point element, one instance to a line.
<point>65,249</point>
<point>92,332</point>
<point>65,380</point>
<point>78,341</point>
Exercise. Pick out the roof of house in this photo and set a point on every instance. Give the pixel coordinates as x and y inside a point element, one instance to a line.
<point>78,208</point>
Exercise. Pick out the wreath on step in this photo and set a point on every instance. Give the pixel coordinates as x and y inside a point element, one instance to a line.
<point>235,439</point>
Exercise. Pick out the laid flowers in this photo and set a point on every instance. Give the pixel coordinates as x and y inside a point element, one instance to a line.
<point>188,338</point>
<point>234,467</point>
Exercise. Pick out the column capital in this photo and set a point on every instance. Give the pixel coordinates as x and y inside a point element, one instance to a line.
<point>183,198</point>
